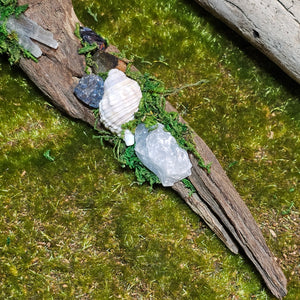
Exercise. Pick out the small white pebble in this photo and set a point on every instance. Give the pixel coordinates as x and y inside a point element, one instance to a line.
<point>128,138</point>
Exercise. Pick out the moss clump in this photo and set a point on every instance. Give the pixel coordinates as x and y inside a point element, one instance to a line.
<point>9,41</point>
<point>189,185</point>
<point>129,159</point>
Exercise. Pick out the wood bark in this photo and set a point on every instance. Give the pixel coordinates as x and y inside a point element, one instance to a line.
<point>271,26</point>
<point>216,200</point>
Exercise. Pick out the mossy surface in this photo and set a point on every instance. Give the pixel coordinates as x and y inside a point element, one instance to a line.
<point>79,227</point>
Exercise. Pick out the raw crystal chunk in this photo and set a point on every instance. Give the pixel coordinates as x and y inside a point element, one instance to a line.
<point>89,36</point>
<point>128,138</point>
<point>27,29</point>
<point>90,90</point>
<point>160,153</point>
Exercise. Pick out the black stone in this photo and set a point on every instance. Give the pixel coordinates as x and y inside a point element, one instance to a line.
<point>89,36</point>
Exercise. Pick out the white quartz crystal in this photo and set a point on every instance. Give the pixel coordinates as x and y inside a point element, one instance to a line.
<point>26,30</point>
<point>160,153</point>
<point>128,138</point>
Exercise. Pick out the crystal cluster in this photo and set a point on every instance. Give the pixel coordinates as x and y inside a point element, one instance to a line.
<point>26,30</point>
<point>90,90</point>
<point>159,152</point>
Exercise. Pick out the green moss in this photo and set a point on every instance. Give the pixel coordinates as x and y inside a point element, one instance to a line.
<point>79,227</point>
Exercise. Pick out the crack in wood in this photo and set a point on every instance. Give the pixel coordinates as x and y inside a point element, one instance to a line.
<point>241,11</point>
<point>288,9</point>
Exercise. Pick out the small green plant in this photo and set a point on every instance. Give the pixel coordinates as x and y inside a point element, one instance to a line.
<point>48,156</point>
<point>129,159</point>
<point>9,41</point>
<point>92,14</point>
<point>87,49</point>
<point>288,210</point>
<point>189,185</point>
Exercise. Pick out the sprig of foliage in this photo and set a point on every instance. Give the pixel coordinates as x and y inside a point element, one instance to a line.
<point>91,13</point>
<point>87,49</point>
<point>288,211</point>
<point>127,157</point>
<point>189,185</point>
<point>9,41</point>
<point>117,142</point>
<point>48,156</point>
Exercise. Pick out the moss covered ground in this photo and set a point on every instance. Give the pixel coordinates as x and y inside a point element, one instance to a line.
<point>78,227</point>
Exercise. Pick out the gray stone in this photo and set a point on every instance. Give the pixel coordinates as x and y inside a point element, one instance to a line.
<point>160,153</point>
<point>90,90</point>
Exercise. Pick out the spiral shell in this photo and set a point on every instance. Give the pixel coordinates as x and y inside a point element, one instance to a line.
<point>120,101</point>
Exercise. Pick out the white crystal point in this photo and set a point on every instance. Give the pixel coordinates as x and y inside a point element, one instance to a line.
<point>128,138</point>
<point>29,45</point>
<point>26,29</point>
<point>159,152</point>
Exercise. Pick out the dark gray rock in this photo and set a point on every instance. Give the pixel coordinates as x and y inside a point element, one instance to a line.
<point>90,90</point>
<point>103,62</point>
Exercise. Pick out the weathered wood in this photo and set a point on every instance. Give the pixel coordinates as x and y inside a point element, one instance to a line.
<point>216,200</point>
<point>201,209</point>
<point>271,26</point>
<point>218,193</point>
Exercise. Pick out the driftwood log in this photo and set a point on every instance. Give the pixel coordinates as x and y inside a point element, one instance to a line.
<point>216,200</point>
<point>271,26</point>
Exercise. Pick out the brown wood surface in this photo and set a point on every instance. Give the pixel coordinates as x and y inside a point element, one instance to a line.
<point>216,200</point>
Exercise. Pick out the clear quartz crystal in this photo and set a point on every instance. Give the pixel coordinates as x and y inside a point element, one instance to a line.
<point>159,152</point>
<point>26,30</point>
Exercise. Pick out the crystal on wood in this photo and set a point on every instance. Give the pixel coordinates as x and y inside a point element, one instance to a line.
<point>26,30</point>
<point>159,152</point>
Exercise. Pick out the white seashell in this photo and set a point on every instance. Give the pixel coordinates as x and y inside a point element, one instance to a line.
<point>120,101</point>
